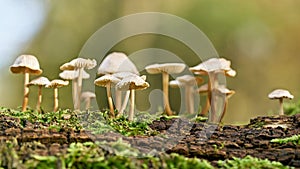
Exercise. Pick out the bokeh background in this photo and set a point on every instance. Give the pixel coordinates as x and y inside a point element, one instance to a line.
<point>260,37</point>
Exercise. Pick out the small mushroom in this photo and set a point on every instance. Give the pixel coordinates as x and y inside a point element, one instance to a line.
<point>166,69</point>
<point>228,93</point>
<point>73,75</point>
<point>55,84</point>
<point>204,89</point>
<point>132,83</point>
<point>87,96</point>
<point>40,82</point>
<point>280,94</point>
<point>26,64</point>
<point>79,64</point>
<point>107,81</point>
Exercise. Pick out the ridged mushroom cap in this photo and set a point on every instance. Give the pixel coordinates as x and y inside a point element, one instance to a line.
<point>280,93</point>
<point>87,94</point>
<point>57,83</point>
<point>189,80</point>
<point>106,79</point>
<point>212,65</point>
<point>132,82</point>
<point>40,81</point>
<point>116,62</point>
<point>26,63</point>
<point>79,63</point>
<point>122,75</point>
<point>169,68</point>
<point>73,74</point>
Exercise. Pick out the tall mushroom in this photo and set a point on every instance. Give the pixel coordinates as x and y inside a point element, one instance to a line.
<point>40,82</point>
<point>166,69</point>
<point>26,64</point>
<point>73,75</point>
<point>108,81</point>
<point>79,64</point>
<point>280,94</point>
<point>55,84</point>
<point>132,83</point>
<point>212,67</point>
<point>87,96</point>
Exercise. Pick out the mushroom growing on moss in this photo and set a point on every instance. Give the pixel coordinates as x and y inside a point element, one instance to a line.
<point>132,83</point>
<point>166,69</point>
<point>280,94</point>
<point>40,82</point>
<point>26,64</point>
<point>55,84</point>
<point>87,96</point>
<point>79,64</point>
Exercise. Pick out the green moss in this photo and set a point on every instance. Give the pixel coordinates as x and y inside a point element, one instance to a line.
<point>295,139</point>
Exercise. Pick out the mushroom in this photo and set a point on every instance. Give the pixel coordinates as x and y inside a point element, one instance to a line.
<point>280,94</point>
<point>228,93</point>
<point>204,89</point>
<point>40,82</point>
<point>107,81</point>
<point>55,84</point>
<point>188,82</point>
<point>166,69</point>
<point>26,64</point>
<point>117,62</point>
<point>79,64</point>
<point>73,75</point>
<point>132,83</point>
<point>212,67</point>
<point>87,96</point>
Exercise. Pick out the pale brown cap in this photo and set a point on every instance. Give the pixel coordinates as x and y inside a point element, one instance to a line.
<point>203,88</point>
<point>106,79</point>
<point>280,93</point>
<point>211,65</point>
<point>79,63</point>
<point>116,62</point>
<point>169,68</point>
<point>223,90</point>
<point>26,63</point>
<point>175,83</point>
<point>40,81</point>
<point>87,94</point>
<point>189,80</point>
<point>73,74</point>
<point>133,82</point>
<point>57,83</point>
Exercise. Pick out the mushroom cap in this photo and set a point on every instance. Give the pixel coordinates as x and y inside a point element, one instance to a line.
<point>169,68</point>
<point>73,74</point>
<point>189,80</point>
<point>79,63</point>
<point>132,82</point>
<point>57,83</point>
<point>280,93</point>
<point>26,63</point>
<point>106,79</point>
<point>122,75</point>
<point>40,81</point>
<point>87,94</point>
<point>203,88</point>
<point>116,62</point>
<point>212,65</point>
<point>175,83</point>
<point>223,90</point>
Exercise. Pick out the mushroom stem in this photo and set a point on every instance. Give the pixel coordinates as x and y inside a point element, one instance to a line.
<point>212,97</point>
<point>55,99</point>
<point>26,91</point>
<point>165,78</point>
<point>74,93</point>
<point>118,95</point>
<point>131,110</point>
<point>281,112</point>
<point>126,98</point>
<point>38,105</point>
<point>224,108</point>
<point>87,103</point>
<point>109,98</point>
<point>189,99</point>
<point>79,86</point>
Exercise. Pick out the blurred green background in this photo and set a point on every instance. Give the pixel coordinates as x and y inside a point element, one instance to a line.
<point>260,37</point>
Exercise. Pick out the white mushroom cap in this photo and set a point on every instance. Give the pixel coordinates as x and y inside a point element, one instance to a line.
<point>116,62</point>
<point>87,94</point>
<point>211,65</point>
<point>57,83</point>
<point>175,83</point>
<point>73,74</point>
<point>165,67</point>
<point>122,75</point>
<point>27,63</point>
<point>189,80</point>
<point>106,79</point>
<point>222,89</point>
<point>230,73</point>
<point>132,82</point>
<point>40,81</point>
<point>79,63</point>
<point>203,88</point>
<point>280,93</point>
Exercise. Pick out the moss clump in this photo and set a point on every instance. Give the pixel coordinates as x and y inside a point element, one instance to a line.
<point>295,139</point>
